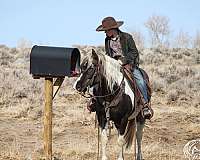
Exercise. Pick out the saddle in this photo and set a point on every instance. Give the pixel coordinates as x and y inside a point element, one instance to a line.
<point>139,99</point>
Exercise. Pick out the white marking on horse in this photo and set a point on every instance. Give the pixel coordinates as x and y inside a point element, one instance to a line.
<point>78,79</point>
<point>121,140</point>
<point>129,91</point>
<point>121,154</point>
<point>113,74</point>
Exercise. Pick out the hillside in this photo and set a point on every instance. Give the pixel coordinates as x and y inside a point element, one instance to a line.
<point>175,77</point>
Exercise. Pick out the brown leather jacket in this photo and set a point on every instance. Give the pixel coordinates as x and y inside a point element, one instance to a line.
<point>129,50</point>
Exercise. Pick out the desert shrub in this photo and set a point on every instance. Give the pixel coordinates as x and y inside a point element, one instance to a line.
<point>185,52</point>
<point>157,50</point>
<point>175,49</point>
<point>161,71</point>
<point>35,113</point>
<point>169,73</point>
<point>23,53</point>
<point>172,78</point>
<point>187,86</point>
<point>5,56</point>
<point>179,86</point>
<point>158,84</point>
<point>196,100</point>
<point>156,59</point>
<point>174,72</point>
<point>197,59</point>
<point>193,84</point>
<point>13,51</point>
<point>100,49</point>
<point>176,55</point>
<point>172,95</point>
<point>185,71</point>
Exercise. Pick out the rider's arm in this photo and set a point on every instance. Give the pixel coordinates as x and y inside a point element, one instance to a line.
<point>131,56</point>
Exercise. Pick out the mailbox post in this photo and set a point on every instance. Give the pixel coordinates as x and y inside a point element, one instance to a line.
<point>49,63</point>
<point>47,135</point>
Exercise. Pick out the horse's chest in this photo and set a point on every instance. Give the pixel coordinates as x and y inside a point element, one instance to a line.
<point>116,114</point>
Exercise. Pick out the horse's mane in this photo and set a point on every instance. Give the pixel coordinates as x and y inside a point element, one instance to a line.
<point>110,68</point>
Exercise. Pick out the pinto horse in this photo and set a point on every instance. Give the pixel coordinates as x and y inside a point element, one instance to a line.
<point>114,101</point>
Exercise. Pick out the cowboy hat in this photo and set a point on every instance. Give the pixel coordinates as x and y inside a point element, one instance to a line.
<point>109,23</point>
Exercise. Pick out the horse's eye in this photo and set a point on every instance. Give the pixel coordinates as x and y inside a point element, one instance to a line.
<point>83,67</point>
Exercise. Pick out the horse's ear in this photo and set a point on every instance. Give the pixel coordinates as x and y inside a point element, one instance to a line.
<point>94,54</point>
<point>94,57</point>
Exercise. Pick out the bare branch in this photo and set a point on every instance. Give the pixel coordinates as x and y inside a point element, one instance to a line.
<point>158,27</point>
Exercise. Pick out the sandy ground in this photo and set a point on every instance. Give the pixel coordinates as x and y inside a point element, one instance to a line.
<point>75,135</point>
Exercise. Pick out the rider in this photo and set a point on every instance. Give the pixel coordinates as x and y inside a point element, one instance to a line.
<point>121,46</point>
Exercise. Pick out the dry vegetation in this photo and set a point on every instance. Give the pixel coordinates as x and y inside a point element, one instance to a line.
<point>175,77</point>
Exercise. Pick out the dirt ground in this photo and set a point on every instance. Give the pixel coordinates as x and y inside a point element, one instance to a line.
<point>75,135</point>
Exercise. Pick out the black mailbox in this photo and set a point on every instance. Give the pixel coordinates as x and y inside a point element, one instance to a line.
<point>48,61</point>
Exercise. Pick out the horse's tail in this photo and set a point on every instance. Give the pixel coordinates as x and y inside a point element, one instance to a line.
<point>130,133</point>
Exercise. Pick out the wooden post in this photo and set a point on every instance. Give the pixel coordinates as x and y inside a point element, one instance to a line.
<point>48,118</point>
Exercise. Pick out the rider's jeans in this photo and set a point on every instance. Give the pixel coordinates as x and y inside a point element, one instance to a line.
<point>141,83</point>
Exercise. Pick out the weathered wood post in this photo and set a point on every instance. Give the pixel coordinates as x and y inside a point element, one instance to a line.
<point>52,62</point>
<point>48,118</point>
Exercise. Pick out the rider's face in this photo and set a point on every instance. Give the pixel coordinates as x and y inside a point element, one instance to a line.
<point>109,33</point>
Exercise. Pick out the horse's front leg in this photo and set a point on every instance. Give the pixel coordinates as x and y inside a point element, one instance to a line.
<point>121,130</point>
<point>121,153</point>
<point>104,141</point>
<point>121,140</point>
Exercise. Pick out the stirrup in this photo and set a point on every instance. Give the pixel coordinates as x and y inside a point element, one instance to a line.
<point>147,112</point>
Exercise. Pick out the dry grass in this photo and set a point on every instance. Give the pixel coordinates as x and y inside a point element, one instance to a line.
<point>175,78</point>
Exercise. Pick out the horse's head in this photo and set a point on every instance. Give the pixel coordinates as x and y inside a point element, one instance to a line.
<point>89,73</point>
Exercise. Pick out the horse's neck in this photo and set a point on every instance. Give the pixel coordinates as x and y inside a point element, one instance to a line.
<point>103,90</point>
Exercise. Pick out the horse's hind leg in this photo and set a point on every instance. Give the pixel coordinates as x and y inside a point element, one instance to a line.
<point>139,134</point>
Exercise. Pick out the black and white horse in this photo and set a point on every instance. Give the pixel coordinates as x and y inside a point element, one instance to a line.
<point>114,101</point>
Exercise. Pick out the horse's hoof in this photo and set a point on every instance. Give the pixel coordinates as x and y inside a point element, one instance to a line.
<point>121,141</point>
